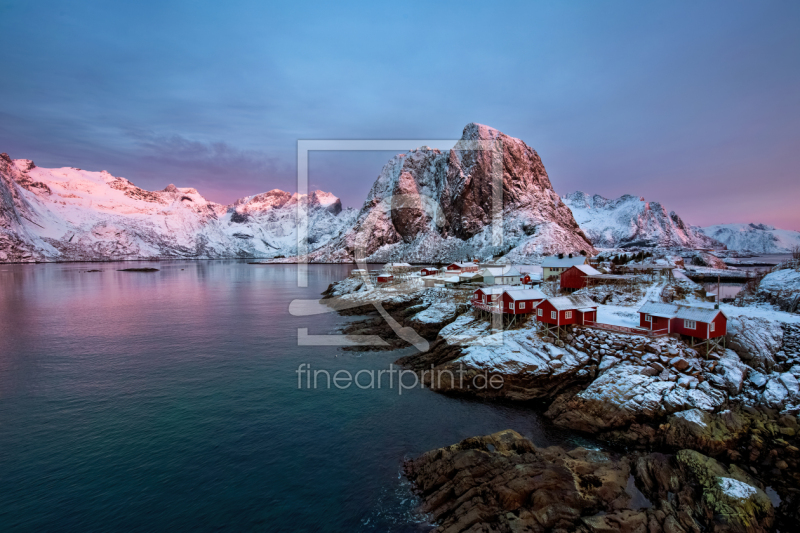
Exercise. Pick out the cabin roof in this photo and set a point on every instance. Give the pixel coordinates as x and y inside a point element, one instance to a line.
<point>699,314</point>
<point>575,301</point>
<point>685,312</point>
<point>588,270</point>
<point>525,294</point>
<point>660,309</point>
<point>495,289</point>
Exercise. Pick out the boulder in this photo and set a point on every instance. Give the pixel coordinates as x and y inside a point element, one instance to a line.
<point>775,394</point>
<point>679,363</point>
<point>756,340</point>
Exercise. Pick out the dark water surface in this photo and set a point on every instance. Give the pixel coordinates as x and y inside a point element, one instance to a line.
<point>168,401</point>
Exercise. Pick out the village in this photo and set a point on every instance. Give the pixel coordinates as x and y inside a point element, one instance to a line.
<point>563,293</point>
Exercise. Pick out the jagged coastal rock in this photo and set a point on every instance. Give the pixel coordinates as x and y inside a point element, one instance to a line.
<point>503,483</point>
<point>69,214</point>
<point>631,221</point>
<point>430,206</point>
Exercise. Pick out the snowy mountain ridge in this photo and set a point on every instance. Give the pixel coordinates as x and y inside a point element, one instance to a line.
<point>69,214</point>
<point>759,238</point>
<point>630,221</point>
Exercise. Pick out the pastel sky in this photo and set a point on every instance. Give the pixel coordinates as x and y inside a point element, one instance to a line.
<point>693,104</point>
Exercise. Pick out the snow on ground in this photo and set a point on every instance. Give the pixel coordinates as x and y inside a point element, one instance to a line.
<point>735,488</point>
<point>618,316</point>
<point>759,312</point>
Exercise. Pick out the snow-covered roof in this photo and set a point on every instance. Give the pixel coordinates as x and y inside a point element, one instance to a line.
<point>699,314</point>
<point>586,269</point>
<point>575,301</point>
<point>452,279</point>
<point>462,265</point>
<point>566,261</point>
<point>495,289</point>
<point>469,275</point>
<point>663,310</point>
<point>587,309</point>
<point>685,312</point>
<point>526,294</point>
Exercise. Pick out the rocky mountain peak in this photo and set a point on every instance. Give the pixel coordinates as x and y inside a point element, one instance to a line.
<point>428,204</point>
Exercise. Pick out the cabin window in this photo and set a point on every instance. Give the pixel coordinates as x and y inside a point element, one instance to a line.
<point>511,306</point>
<point>539,312</point>
<point>568,314</point>
<point>522,305</point>
<point>648,318</point>
<point>553,315</point>
<point>689,324</point>
<point>712,327</point>
<point>484,298</point>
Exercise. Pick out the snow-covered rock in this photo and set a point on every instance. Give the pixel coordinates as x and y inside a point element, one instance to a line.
<point>731,371</point>
<point>756,340</point>
<point>782,288</point>
<point>775,393</point>
<point>632,221</point>
<point>623,394</point>
<point>428,205</point>
<point>759,238</point>
<point>69,214</point>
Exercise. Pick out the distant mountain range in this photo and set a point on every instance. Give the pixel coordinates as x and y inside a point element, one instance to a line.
<point>631,221</point>
<point>69,214</point>
<point>759,238</point>
<point>426,205</point>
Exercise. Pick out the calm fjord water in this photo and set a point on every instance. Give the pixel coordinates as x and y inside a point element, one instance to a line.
<point>168,401</point>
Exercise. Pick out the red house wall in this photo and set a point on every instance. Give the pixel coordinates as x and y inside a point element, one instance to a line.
<point>589,317</point>
<point>562,320</point>
<point>572,278</point>
<point>659,322</point>
<point>720,326</point>
<point>702,329</point>
<point>530,305</point>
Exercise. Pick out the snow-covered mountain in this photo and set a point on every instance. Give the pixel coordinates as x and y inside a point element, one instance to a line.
<point>69,214</point>
<point>632,221</point>
<point>428,205</point>
<point>759,238</point>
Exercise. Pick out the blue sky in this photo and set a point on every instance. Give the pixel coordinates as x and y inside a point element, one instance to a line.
<point>693,104</point>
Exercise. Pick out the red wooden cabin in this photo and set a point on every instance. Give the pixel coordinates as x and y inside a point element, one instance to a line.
<point>429,271</point>
<point>697,322</point>
<point>577,277</point>
<point>463,267</point>
<point>385,278</point>
<point>567,310</point>
<point>520,301</point>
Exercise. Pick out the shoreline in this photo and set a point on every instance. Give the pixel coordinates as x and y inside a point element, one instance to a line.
<point>715,418</point>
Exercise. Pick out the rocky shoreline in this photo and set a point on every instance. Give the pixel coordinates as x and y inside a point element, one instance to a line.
<point>503,483</point>
<point>737,411</point>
